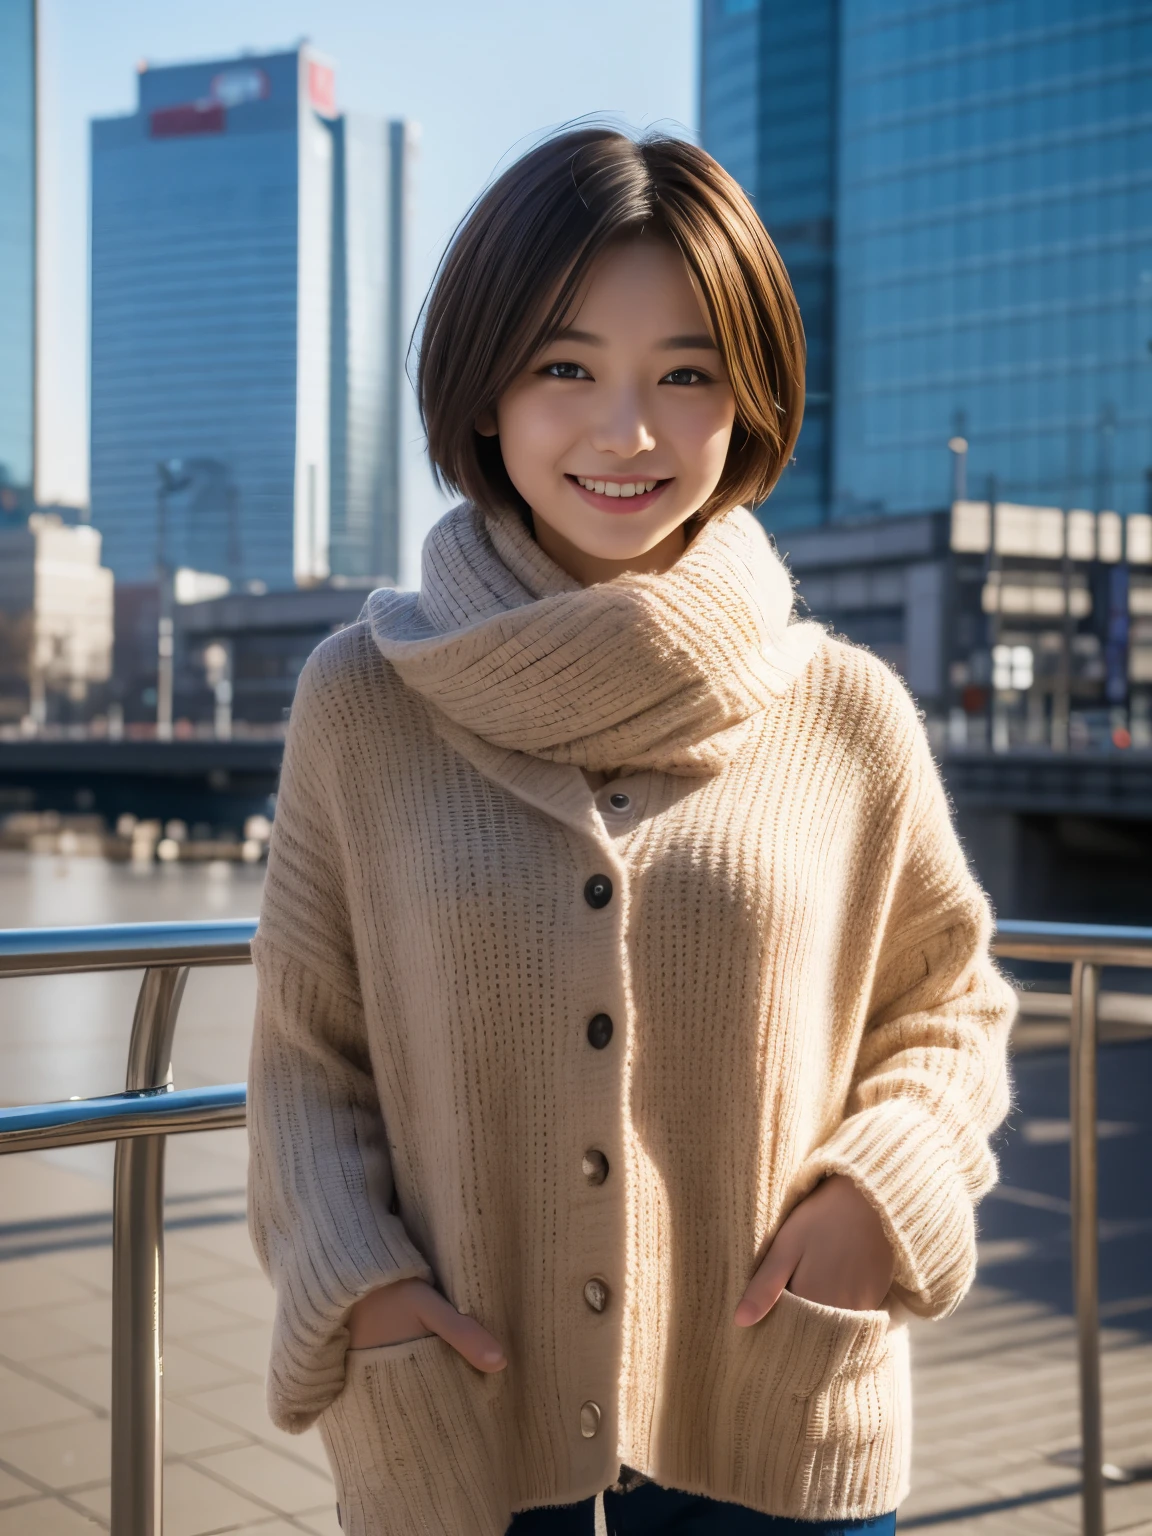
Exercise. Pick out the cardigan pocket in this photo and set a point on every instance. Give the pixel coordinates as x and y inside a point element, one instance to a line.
<point>812,1388</point>
<point>847,1396</point>
<point>830,1344</point>
<point>415,1443</point>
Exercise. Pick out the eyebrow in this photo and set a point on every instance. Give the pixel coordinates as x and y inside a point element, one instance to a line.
<point>699,341</point>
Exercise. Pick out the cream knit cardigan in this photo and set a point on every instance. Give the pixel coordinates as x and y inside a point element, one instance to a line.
<point>794,960</point>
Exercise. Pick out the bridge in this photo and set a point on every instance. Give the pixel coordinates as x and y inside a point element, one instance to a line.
<point>200,779</point>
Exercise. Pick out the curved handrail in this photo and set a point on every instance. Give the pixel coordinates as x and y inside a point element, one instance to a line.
<point>116,1116</point>
<point>1093,943</point>
<point>226,941</point>
<point>125,946</point>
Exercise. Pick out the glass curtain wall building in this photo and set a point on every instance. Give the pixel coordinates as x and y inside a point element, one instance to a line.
<point>370,189</point>
<point>995,252</point>
<point>768,112</point>
<point>982,173</point>
<point>17,254</point>
<point>243,271</point>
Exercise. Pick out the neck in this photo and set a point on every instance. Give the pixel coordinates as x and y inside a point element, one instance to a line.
<point>589,570</point>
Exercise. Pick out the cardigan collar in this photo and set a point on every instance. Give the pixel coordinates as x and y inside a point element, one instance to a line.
<point>643,672</point>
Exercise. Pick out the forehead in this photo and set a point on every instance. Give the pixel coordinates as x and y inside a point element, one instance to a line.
<point>639,285</point>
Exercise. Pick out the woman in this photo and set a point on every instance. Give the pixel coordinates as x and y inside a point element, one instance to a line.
<point>628,1043</point>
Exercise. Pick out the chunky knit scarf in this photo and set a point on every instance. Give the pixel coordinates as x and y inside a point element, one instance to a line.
<point>646,671</point>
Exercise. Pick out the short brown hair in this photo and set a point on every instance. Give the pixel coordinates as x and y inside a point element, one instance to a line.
<point>532,236</point>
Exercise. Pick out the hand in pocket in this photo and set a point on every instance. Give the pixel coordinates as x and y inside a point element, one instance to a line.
<point>413,1309</point>
<point>831,1249</point>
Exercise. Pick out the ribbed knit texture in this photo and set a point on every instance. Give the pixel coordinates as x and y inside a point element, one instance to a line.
<point>795,960</point>
<point>624,674</point>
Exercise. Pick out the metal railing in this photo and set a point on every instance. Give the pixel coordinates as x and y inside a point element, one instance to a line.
<point>150,1109</point>
<point>1087,950</point>
<point>138,1120</point>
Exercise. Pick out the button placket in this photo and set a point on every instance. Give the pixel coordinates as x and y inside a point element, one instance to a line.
<point>599,892</point>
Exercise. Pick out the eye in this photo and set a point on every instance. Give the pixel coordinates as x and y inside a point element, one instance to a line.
<point>565,371</point>
<point>686,376</point>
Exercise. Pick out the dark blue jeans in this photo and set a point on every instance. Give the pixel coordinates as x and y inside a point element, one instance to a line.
<point>654,1511</point>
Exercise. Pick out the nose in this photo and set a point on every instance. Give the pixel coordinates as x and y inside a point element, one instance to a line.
<point>621,427</point>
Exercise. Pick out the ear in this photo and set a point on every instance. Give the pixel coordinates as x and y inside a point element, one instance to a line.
<point>486,424</point>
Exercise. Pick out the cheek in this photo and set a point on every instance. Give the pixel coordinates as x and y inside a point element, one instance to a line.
<point>703,429</point>
<point>533,432</point>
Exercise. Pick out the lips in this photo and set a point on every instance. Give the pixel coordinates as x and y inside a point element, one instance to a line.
<point>617,495</point>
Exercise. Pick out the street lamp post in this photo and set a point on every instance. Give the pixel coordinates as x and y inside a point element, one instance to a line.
<point>958,447</point>
<point>171,476</point>
<point>218,669</point>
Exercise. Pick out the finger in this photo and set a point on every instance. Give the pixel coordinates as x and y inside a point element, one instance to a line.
<point>766,1284</point>
<point>466,1336</point>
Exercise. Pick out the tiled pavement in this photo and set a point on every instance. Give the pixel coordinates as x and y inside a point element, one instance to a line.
<point>996,1390</point>
<point>228,1468</point>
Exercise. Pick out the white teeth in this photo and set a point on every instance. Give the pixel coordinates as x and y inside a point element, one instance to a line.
<point>614,488</point>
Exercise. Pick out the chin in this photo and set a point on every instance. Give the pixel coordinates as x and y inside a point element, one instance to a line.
<point>628,544</point>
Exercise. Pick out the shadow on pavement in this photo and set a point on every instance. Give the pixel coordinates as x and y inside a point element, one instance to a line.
<point>1025,1223</point>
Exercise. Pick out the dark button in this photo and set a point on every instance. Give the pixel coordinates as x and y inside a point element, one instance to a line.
<point>599,1031</point>
<point>594,1166</point>
<point>596,1294</point>
<point>598,891</point>
<point>619,801</point>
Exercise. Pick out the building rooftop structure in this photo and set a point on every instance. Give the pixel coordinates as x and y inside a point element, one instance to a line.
<point>257,644</point>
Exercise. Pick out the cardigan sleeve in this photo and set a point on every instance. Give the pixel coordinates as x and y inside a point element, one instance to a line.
<point>930,1082</point>
<point>320,1190</point>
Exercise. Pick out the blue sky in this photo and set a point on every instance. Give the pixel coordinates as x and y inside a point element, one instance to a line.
<point>480,79</point>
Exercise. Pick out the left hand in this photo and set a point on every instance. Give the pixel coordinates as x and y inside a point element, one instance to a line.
<point>831,1249</point>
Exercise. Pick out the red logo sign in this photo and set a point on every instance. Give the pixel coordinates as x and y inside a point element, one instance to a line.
<point>322,88</point>
<point>194,117</point>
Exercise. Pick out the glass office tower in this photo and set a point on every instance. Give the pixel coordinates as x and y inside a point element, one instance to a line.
<point>369,223</point>
<point>242,278</point>
<point>17,253</point>
<point>980,170</point>
<point>995,252</point>
<point>768,112</point>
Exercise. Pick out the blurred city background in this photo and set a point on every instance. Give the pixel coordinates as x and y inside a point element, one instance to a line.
<point>217,224</point>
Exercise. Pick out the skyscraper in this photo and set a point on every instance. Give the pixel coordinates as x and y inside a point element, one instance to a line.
<point>367,343</point>
<point>246,268</point>
<point>978,261</point>
<point>17,253</point>
<point>768,112</point>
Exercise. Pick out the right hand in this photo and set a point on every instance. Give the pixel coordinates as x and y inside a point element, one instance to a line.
<point>413,1309</point>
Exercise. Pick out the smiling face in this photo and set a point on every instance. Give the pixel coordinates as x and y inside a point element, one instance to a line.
<point>618,429</point>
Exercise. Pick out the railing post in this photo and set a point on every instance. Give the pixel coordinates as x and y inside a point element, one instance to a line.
<point>1085,1237</point>
<point>138,1274</point>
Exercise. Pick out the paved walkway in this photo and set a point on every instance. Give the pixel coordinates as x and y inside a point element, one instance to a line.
<point>228,1468</point>
<point>995,1385</point>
